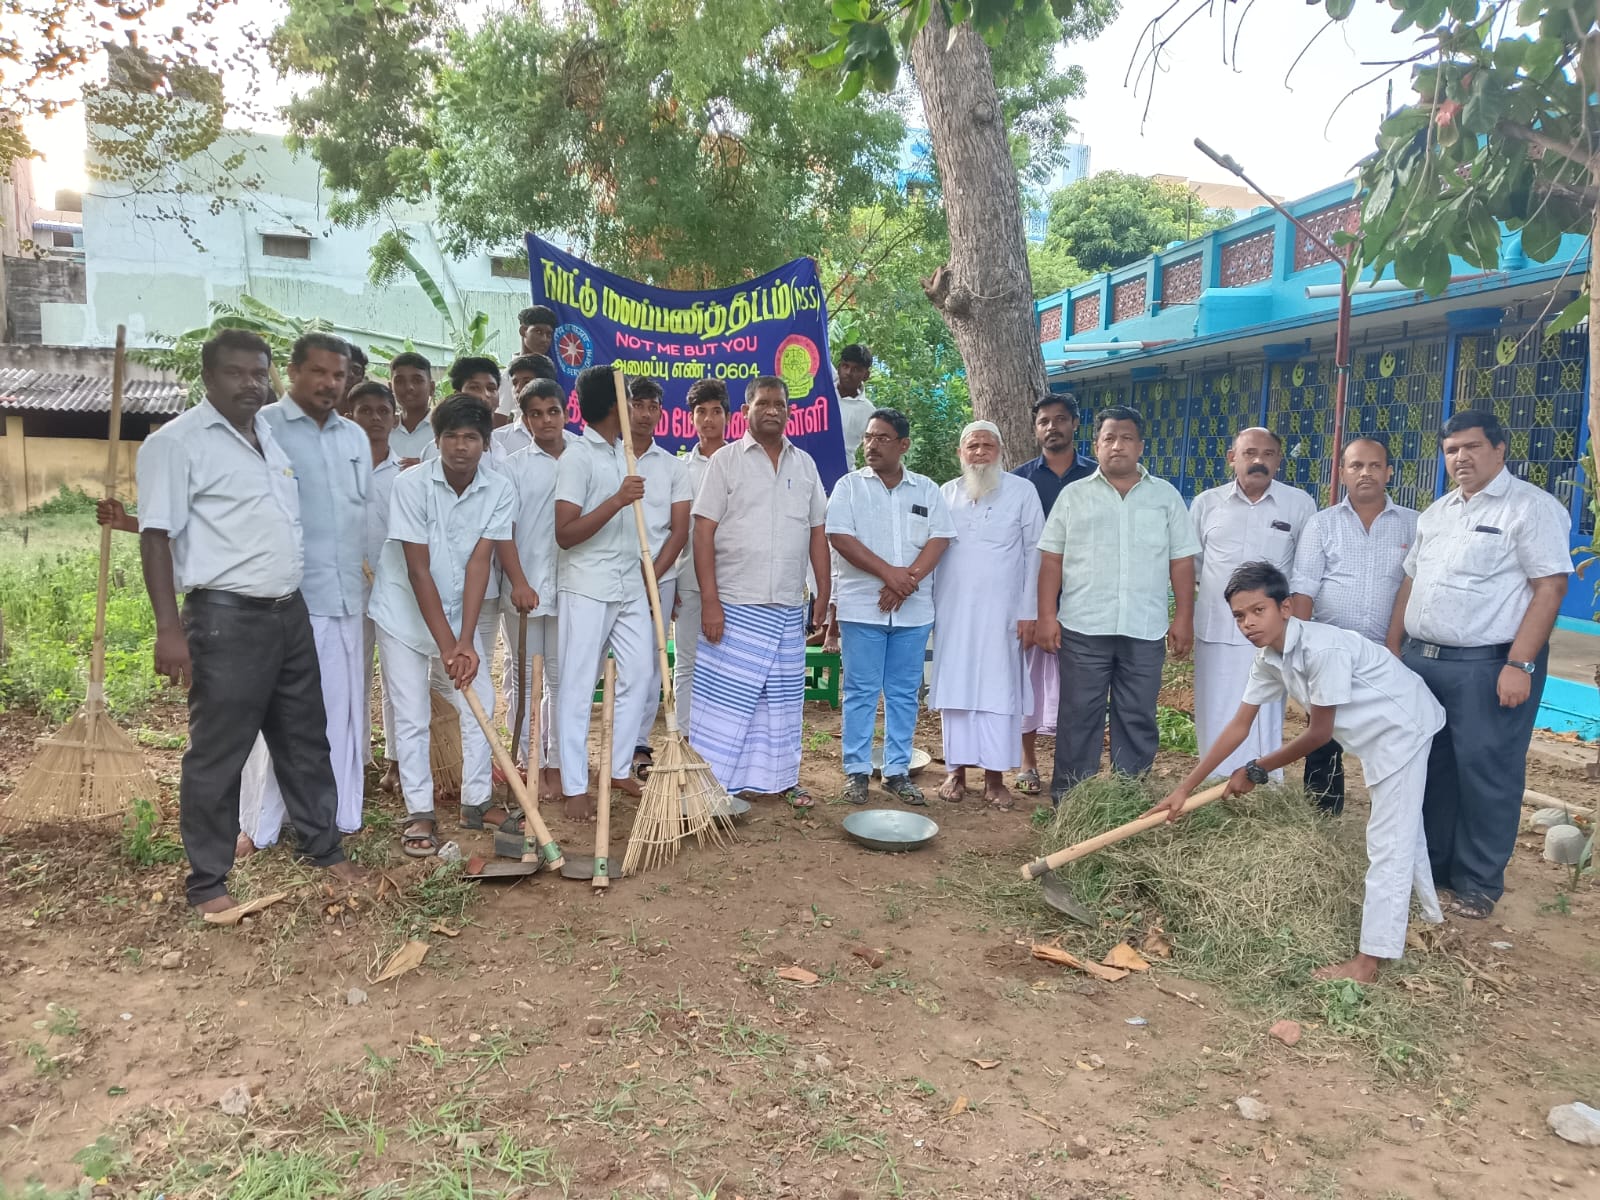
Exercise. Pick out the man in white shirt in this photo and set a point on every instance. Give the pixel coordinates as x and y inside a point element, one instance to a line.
<point>1254,518</point>
<point>984,609</point>
<point>708,409</point>
<point>1347,570</point>
<point>445,519</point>
<point>850,375</point>
<point>758,516</point>
<point>411,377</point>
<point>332,461</point>
<point>508,439</point>
<point>1487,573</point>
<point>219,520</point>
<point>1353,690</point>
<point>603,604</point>
<point>1112,545</point>
<point>668,496</point>
<point>889,527</point>
<point>532,472</point>
<point>536,334</point>
<point>372,408</point>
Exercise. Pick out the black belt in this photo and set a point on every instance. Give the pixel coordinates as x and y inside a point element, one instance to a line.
<point>235,600</point>
<point>1459,653</point>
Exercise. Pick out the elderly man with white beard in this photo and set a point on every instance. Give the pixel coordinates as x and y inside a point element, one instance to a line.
<point>985,601</point>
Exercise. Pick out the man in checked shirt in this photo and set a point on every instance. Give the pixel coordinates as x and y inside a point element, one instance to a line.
<point>1347,570</point>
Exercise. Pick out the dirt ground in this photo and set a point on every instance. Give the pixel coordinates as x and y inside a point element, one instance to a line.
<point>644,1043</point>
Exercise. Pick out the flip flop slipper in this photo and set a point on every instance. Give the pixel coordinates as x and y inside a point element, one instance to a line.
<point>1028,783</point>
<point>1002,805</point>
<point>472,815</point>
<point>799,799</point>
<point>509,840</point>
<point>643,763</point>
<point>429,843</point>
<point>1470,908</point>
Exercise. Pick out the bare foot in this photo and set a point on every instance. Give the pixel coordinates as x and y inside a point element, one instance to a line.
<point>216,904</point>
<point>628,787</point>
<point>954,786</point>
<point>349,874</point>
<point>389,782</point>
<point>1363,968</point>
<point>243,848</point>
<point>579,808</point>
<point>549,785</point>
<point>998,796</point>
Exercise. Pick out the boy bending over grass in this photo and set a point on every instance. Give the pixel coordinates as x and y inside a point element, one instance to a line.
<point>1379,710</point>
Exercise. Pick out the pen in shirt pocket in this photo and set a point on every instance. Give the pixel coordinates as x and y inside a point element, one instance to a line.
<point>355,474</point>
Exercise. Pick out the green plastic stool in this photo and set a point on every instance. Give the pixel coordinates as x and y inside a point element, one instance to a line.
<point>822,676</point>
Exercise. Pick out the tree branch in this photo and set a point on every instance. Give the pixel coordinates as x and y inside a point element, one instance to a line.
<point>1532,137</point>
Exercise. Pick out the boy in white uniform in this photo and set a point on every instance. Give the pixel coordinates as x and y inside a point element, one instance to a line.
<point>372,406</point>
<point>445,519</point>
<point>708,409</point>
<point>1378,709</point>
<point>602,604</point>
<point>668,498</point>
<point>532,472</point>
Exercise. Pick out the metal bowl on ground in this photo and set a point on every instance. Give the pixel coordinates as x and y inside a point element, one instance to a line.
<point>919,761</point>
<point>891,829</point>
<point>730,808</point>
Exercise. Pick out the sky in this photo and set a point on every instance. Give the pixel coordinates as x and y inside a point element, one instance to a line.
<point>1279,132</point>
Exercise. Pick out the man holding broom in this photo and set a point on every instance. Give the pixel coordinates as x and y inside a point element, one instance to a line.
<point>220,521</point>
<point>759,518</point>
<point>1361,695</point>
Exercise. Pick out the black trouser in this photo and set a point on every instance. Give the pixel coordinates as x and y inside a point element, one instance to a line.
<point>1477,769</point>
<point>1325,777</point>
<point>1092,669</point>
<point>255,671</point>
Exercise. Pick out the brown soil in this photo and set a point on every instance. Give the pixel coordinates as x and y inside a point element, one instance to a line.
<point>643,1042</point>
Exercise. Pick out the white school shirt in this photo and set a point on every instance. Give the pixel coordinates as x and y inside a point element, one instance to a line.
<point>1351,573</point>
<point>764,515</point>
<point>1383,712</point>
<point>1471,561</point>
<point>606,567</point>
<point>333,467</point>
<point>508,439</point>
<point>895,525</point>
<point>1233,531</point>
<point>532,472</point>
<point>232,513</point>
<point>415,443</point>
<point>666,482</point>
<point>425,511</point>
<point>383,477</point>
<point>697,465</point>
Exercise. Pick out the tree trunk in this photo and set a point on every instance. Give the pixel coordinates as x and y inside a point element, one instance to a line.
<point>984,293</point>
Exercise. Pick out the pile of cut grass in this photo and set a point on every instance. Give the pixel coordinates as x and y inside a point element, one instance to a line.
<point>1255,892</point>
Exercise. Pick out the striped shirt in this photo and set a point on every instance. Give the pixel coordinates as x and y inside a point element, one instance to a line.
<point>1350,572</point>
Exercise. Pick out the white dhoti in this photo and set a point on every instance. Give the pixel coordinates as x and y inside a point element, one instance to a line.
<point>586,627</point>
<point>1220,672</point>
<point>685,646</point>
<point>1397,860</point>
<point>990,741</point>
<point>349,727</point>
<point>542,641</point>
<point>369,658</point>
<point>1044,678</point>
<point>652,691</point>
<point>408,673</point>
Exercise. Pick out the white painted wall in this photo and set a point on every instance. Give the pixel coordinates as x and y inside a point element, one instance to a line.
<point>158,256</point>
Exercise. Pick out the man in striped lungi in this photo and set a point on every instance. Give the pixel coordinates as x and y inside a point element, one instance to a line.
<point>758,519</point>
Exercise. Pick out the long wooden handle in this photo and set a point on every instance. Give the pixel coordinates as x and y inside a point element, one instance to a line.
<point>670,704</point>
<point>535,702</point>
<point>1138,825</point>
<point>95,696</point>
<point>530,811</point>
<point>522,695</point>
<point>602,815</point>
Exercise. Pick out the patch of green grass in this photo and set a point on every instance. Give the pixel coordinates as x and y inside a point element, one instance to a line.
<point>1176,729</point>
<point>144,843</point>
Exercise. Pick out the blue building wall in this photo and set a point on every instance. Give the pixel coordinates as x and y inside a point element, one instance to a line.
<point>1408,375</point>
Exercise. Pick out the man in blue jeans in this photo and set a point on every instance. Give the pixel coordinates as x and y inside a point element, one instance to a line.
<point>889,526</point>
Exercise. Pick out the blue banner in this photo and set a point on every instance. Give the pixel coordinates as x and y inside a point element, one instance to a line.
<point>774,325</point>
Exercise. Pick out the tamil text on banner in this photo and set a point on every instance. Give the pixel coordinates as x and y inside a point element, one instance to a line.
<point>773,325</point>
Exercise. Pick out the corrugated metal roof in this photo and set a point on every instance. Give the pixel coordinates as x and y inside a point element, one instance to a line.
<point>40,391</point>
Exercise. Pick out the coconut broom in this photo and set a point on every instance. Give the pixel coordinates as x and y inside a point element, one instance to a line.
<point>89,770</point>
<point>681,795</point>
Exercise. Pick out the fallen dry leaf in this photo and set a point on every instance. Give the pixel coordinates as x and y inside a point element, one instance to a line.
<point>441,927</point>
<point>1047,1124</point>
<point>959,1107</point>
<point>1053,954</point>
<point>797,975</point>
<point>232,916</point>
<point>1287,1032</point>
<point>1155,943</point>
<point>867,954</point>
<point>425,1040</point>
<point>1126,958</point>
<point>408,958</point>
<point>984,1064</point>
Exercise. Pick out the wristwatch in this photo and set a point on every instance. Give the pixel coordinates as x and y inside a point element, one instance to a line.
<point>1255,774</point>
<point>1526,668</point>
